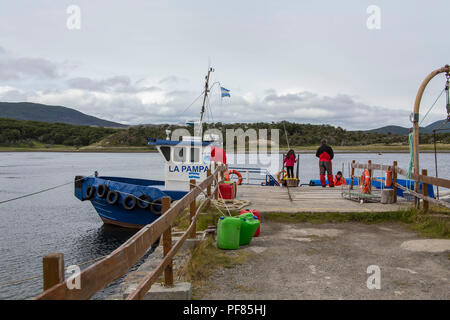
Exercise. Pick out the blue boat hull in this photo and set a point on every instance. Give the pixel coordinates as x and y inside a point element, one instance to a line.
<point>116,213</point>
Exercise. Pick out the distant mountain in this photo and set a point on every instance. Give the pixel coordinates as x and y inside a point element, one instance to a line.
<point>42,112</point>
<point>403,131</point>
<point>390,129</point>
<point>436,125</point>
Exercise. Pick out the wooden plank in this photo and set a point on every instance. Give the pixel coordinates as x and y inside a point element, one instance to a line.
<point>373,166</point>
<point>98,275</point>
<point>53,269</point>
<point>426,179</point>
<point>146,283</point>
<point>421,196</point>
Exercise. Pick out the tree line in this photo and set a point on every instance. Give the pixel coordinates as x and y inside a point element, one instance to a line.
<point>27,133</point>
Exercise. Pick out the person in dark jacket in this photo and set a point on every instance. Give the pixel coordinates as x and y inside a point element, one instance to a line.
<point>325,154</point>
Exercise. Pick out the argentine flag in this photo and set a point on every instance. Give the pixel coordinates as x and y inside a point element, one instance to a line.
<point>225,92</point>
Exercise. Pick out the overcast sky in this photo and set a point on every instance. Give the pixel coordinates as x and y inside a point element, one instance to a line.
<point>304,61</point>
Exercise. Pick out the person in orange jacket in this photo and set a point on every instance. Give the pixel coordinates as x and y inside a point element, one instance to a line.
<point>339,180</point>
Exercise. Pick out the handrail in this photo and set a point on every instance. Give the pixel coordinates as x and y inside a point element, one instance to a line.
<point>98,275</point>
<point>424,178</point>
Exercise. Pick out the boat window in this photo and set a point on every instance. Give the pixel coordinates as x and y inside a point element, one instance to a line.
<point>195,155</point>
<point>179,155</point>
<point>165,152</point>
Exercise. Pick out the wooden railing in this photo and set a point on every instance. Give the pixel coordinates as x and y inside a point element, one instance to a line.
<point>396,170</point>
<point>98,275</point>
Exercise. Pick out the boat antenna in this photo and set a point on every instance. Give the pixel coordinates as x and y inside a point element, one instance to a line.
<point>205,93</point>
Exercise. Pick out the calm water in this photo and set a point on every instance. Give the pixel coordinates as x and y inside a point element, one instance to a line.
<point>56,221</point>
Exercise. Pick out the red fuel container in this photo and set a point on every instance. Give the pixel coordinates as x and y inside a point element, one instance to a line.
<point>227,191</point>
<point>255,213</point>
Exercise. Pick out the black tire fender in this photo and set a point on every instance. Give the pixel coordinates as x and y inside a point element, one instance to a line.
<point>129,202</point>
<point>89,193</point>
<point>102,191</point>
<point>112,197</point>
<point>143,201</point>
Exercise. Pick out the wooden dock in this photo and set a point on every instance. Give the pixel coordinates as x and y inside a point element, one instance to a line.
<point>307,199</point>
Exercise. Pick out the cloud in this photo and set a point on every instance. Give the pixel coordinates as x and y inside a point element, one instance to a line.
<point>117,99</point>
<point>112,84</point>
<point>12,68</point>
<point>147,100</point>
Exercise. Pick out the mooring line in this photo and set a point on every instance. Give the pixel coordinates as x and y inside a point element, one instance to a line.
<point>41,191</point>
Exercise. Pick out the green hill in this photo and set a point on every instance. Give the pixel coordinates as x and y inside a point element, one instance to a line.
<point>22,133</point>
<point>53,114</point>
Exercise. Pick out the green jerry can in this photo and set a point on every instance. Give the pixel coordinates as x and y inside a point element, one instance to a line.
<point>249,226</point>
<point>228,233</point>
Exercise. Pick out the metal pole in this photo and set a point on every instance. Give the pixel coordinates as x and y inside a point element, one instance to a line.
<point>422,87</point>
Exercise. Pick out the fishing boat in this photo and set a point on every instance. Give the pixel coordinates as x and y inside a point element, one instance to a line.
<point>134,203</point>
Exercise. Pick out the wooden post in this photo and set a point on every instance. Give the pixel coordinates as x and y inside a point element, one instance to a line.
<point>394,180</point>
<point>370,174</point>
<point>192,209</point>
<point>351,176</point>
<point>216,178</point>
<point>425,192</point>
<point>208,188</point>
<point>53,269</point>
<point>167,244</point>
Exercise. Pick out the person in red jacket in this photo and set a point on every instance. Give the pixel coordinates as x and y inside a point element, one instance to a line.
<point>325,154</point>
<point>290,161</point>
<point>339,180</point>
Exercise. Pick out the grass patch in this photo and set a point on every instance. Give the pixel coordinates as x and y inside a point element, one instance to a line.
<point>435,224</point>
<point>205,260</point>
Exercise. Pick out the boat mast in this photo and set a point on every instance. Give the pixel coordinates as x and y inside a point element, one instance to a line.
<point>205,94</point>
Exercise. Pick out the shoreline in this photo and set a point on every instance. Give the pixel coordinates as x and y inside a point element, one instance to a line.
<point>17,150</point>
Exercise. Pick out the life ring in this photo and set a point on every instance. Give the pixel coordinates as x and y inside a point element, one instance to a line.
<point>144,201</point>
<point>129,202</point>
<point>89,193</point>
<point>238,174</point>
<point>102,191</point>
<point>112,197</point>
<point>365,182</point>
<point>279,175</point>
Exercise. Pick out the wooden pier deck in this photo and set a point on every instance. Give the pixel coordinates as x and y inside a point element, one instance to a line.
<point>307,199</point>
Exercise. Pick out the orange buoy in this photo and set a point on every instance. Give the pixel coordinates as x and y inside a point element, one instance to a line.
<point>365,182</point>
<point>388,178</point>
<point>279,175</point>
<point>239,175</point>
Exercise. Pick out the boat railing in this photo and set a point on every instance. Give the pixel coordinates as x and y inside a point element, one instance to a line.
<point>113,266</point>
<point>253,176</point>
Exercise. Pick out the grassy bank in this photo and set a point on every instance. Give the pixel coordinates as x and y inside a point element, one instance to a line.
<point>434,224</point>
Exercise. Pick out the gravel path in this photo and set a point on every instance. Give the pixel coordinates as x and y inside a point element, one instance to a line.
<point>330,261</point>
